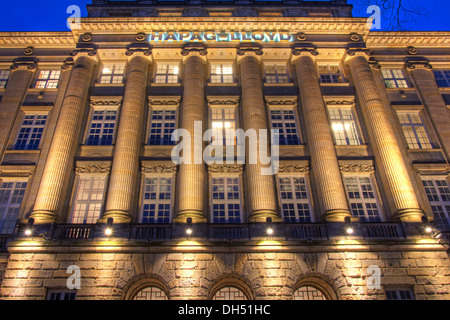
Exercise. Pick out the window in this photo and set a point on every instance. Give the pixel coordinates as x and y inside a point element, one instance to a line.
<point>4,76</point>
<point>162,125</point>
<point>230,293</point>
<point>442,78</point>
<point>223,123</point>
<point>294,198</point>
<point>343,126</point>
<point>222,73</point>
<point>157,200</point>
<point>309,293</point>
<point>112,74</point>
<point>88,199</point>
<point>285,121</point>
<point>276,73</point>
<point>30,132</point>
<point>330,74</point>
<point>48,79</point>
<point>102,127</point>
<point>11,196</point>
<point>61,295</point>
<point>399,294</point>
<point>151,293</point>
<point>226,200</point>
<point>362,198</point>
<point>394,78</point>
<point>167,73</point>
<point>438,193</point>
<point>414,130</point>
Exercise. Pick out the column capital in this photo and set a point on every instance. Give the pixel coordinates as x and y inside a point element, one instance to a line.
<point>139,50</point>
<point>68,64</point>
<point>412,65</point>
<point>297,52</point>
<point>85,52</point>
<point>23,65</point>
<point>198,50</point>
<point>246,51</point>
<point>358,52</point>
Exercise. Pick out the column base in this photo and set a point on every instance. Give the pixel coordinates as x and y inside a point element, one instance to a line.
<point>409,215</point>
<point>337,215</point>
<point>45,217</point>
<point>195,215</point>
<point>262,215</point>
<point>119,216</point>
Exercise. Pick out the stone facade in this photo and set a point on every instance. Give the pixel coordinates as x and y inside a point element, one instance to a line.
<point>358,207</point>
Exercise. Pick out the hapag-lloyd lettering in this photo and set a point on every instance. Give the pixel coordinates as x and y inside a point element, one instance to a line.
<point>211,36</point>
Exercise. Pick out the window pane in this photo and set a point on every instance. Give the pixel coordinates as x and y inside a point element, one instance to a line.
<point>88,199</point>
<point>226,203</point>
<point>362,198</point>
<point>157,200</point>
<point>294,198</point>
<point>11,197</point>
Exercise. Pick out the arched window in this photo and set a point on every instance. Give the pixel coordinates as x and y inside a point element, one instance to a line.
<point>309,293</point>
<point>151,293</point>
<point>230,293</point>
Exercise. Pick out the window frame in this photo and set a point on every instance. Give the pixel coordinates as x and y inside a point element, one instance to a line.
<point>115,65</point>
<point>295,201</point>
<point>71,294</point>
<point>284,122</point>
<point>32,127</point>
<point>47,80</point>
<point>277,75</point>
<point>398,292</point>
<point>362,200</point>
<point>333,76</point>
<point>5,75</point>
<point>15,206</point>
<point>167,74</point>
<point>393,79</point>
<point>87,218</point>
<point>103,122</point>
<point>445,205</point>
<point>417,141</point>
<point>226,138</point>
<point>157,201</point>
<point>153,108</point>
<point>354,122</point>
<point>224,201</point>
<point>222,75</point>
<point>445,76</point>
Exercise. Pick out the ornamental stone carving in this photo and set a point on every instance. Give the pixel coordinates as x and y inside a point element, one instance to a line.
<point>294,168</point>
<point>357,168</point>
<point>159,168</point>
<point>226,168</point>
<point>93,168</point>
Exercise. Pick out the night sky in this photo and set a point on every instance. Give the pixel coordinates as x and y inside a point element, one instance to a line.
<point>50,15</point>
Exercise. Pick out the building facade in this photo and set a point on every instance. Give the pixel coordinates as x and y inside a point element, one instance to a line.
<point>98,202</point>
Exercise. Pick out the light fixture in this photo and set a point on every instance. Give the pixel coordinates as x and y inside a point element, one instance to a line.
<point>269,230</point>
<point>29,229</point>
<point>348,226</point>
<point>109,227</point>
<point>436,235</point>
<point>426,225</point>
<point>189,230</point>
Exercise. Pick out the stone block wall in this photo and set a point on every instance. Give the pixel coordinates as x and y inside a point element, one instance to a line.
<point>193,275</point>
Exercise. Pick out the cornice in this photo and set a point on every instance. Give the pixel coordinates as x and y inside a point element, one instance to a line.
<point>37,39</point>
<point>408,39</point>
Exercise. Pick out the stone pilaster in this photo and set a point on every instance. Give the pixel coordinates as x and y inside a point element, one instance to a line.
<point>324,163</point>
<point>261,188</point>
<point>434,103</point>
<point>382,137</point>
<point>62,150</point>
<point>125,168</point>
<point>18,83</point>
<point>192,177</point>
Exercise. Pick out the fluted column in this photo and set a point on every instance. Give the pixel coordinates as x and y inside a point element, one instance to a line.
<point>18,83</point>
<point>62,150</point>
<point>434,103</point>
<point>192,178</point>
<point>324,162</point>
<point>381,133</point>
<point>125,167</point>
<point>261,188</point>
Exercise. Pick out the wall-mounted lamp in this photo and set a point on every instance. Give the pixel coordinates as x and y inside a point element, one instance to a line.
<point>29,228</point>
<point>269,229</point>
<point>348,226</point>
<point>189,230</point>
<point>428,228</point>
<point>109,227</point>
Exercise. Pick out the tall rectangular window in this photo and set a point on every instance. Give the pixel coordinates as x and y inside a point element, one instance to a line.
<point>102,127</point>
<point>48,79</point>
<point>399,294</point>
<point>30,132</point>
<point>344,126</point>
<point>11,196</point>
<point>414,130</point>
<point>294,198</point>
<point>167,73</point>
<point>362,198</point>
<point>223,123</point>
<point>157,200</point>
<point>394,78</point>
<point>162,125</point>
<point>56,295</point>
<point>112,74</point>
<point>438,194</point>
<point>442,78</point>
<point>330,74</point>
<point>226,200</point>
<point>4,76</point>
<point>222,73</point>
<point>88,199</point>
<point>285,121</point>
<point>276,73</point>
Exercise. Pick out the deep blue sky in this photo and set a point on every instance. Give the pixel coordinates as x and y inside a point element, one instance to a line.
<point>50,15</point>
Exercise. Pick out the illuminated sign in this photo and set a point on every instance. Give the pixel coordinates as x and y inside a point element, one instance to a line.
<point>187,36</point>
